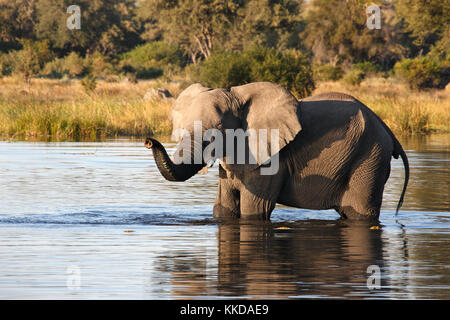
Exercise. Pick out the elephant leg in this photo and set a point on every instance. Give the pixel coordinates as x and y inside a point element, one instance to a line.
<point>256,207</point>
<point>364,195</point>
<point>227,200</point>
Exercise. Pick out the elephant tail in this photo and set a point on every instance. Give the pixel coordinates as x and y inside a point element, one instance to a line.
<point>398,151</point>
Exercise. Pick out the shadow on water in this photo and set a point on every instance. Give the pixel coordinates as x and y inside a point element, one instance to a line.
<point>301,259</point>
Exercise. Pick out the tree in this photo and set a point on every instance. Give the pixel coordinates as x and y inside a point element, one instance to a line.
<point>336,32</point>
<point>29,61</point>
<point>200,26</point>
<point>270,23</point>
<point>106,26</point>
<point>17,19</point>
<point>427,20</point>
<point>196,26</point>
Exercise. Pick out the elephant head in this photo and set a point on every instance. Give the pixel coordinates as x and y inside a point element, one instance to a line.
<point>257,107</point>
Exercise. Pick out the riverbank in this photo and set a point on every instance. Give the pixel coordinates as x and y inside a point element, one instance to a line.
<point>63,110</point>
<point>48,109</point>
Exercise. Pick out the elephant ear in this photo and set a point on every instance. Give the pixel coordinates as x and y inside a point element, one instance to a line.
<point>268,106</point>
<point>182,108</point>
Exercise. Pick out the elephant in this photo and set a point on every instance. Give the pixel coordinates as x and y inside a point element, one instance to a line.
<point>333,152</point>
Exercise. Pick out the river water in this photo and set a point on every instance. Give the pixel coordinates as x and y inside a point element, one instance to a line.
<point>81,220</point>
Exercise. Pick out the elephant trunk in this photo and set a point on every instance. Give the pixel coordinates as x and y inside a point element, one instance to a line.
<point>168,169</point>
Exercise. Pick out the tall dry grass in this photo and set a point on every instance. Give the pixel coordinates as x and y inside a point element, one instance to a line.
<point>405,111</point>
<point>55,109</point>
<point>61,109</point>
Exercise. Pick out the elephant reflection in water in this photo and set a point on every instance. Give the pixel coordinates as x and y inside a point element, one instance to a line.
<point>317,258</point>
<point>325,258</point>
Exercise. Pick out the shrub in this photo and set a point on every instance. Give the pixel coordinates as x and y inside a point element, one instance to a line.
<point>327,72</point>
<point>89,83</point>
<point>354,77</point>
<point>289,68</point>
<point>149,73</point>
<point>54,69</point>
<point>98,65</point>
<point>152,59</point>
<point>74,65</point>
<point>367,68</point>
<point>71,65</point>
<point>6,64</point>
<point>151,52</point>
<point>225,69</point>
<point>423,72</point>
<point>28,61</point>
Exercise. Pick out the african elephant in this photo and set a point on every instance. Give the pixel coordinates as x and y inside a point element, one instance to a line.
<point>332,151</point>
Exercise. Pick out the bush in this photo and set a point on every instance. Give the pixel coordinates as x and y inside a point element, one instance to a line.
<point>149,73</point>
<point>98,65</point>
<point>152,59</point>
<point>289,68</point>
<point>28,61</point>
<point>71,65</point>
<point>54,69</point>
<point>6,64</point>
<point>423,72</point>
<point>367,68</point>
<point>89,83</point>
<point>74,65</point>
<point>225,69</point>
<point>154,52</point>
<point>354,77</point>
<point>327,72</point>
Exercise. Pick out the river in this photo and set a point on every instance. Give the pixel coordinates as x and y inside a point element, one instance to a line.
<point>96,220</point>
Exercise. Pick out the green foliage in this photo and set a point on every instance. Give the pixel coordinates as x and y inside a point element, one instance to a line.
<point>423,72</point>
<point>289,68</point>
<point>89,83</point>
<point>327,72</point>
<point>99,65</point>
<point>54,69</point>
<point>367,67</point>
<point>152,59</point>
<point>274,24</point>
<point>223,70</point>
<point>6,64</point>
<point>196,26</point>
<point>28,61</point>
<point>17,21</point>
<point>156,52</point>
<point>246,40</point>
<point>427,21</point>
<point>109,27</point>
<point>354,77</point>
<point>336,32</point>
<point>74,64</point>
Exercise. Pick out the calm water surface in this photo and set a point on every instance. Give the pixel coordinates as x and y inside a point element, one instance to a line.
<point>97,220</point>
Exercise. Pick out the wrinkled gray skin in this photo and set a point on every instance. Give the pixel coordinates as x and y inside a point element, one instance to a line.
<point>334,152</point>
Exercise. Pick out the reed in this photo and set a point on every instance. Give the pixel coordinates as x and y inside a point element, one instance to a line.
<point>405,111</point>
<point>49,109</point>
<point>62,110</point>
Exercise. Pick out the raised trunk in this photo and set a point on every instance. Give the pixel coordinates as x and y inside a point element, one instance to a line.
<point>168,169</point>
